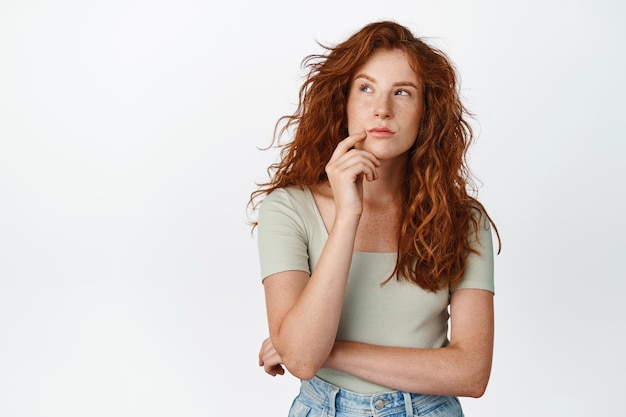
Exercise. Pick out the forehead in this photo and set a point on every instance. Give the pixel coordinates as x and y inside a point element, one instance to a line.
<point>388,64</point>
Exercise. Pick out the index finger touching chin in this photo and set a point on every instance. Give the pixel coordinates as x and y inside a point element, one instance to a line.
<point>353,139</point>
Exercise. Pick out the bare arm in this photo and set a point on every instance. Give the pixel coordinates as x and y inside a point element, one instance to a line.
<point>462,368</point>
<point>304,312</point>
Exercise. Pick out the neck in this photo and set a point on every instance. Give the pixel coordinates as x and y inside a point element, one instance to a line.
<point>388,187</point>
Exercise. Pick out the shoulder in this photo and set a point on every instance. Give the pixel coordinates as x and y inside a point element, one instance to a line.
<point>479,273</point>
<point>293,206</point>
<point>481,227</point>
<point>285,199</point>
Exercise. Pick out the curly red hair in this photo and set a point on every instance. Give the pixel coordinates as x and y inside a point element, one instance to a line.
<point>438,214</point>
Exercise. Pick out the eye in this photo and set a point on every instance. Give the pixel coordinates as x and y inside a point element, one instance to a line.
<point>365,88</point>
<point>402,92</point>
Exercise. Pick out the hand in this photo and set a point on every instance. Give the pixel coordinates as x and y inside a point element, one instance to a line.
<point>269,359</point>
<point>346,170</point>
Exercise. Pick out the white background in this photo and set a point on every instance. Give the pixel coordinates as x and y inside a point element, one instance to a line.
<point>128,148</point>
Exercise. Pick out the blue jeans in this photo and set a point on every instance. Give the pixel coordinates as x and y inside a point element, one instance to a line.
<point>318,398</point>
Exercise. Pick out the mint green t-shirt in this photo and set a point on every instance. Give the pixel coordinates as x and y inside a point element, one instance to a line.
<point>291,236</point>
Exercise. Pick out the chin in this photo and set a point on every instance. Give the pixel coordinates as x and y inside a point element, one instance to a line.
<point>384,152</point>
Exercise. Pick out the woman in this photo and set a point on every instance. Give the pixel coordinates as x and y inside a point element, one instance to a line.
<point>369,240</point>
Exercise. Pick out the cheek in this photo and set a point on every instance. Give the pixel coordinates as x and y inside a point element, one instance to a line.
<point>353,112</point>
<point>418,121</point>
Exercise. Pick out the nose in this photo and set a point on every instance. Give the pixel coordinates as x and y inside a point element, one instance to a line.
<point>382,107</point>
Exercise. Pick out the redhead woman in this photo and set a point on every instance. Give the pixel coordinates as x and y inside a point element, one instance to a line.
<point>371,240</point>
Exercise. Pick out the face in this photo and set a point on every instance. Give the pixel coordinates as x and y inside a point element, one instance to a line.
<point>385,99</point>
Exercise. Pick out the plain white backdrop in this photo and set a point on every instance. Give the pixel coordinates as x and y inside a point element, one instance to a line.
<point>129,280</point>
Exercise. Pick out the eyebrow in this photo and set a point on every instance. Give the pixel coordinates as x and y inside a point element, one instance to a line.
<point>396,84</point>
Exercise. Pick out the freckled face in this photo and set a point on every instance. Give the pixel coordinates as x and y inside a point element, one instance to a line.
<point>386,100</point>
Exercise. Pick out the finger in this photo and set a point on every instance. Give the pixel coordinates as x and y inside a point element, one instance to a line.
<point>269,357</point>
<point>266,346</point>
<point>274,370</point>
<point>354,157</point>
<point>273,367</point>
<point>351,159</point>
<point>354,164</point>
<point>348,143</point>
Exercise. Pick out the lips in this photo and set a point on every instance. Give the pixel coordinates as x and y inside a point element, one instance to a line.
<point>380,132</point>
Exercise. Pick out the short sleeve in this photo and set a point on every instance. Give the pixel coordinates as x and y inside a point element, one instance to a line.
<point>479,267</point>
<point>282,236</point>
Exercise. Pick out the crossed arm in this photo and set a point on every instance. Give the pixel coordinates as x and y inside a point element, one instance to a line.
<point>461,369</point>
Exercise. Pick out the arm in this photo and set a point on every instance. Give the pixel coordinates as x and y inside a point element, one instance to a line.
<point>462,368</point>
<point>304,312</point>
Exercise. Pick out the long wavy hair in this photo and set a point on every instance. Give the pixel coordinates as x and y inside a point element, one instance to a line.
<point>438,214</point>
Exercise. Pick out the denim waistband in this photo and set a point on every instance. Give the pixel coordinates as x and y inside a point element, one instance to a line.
<point>379,405</point>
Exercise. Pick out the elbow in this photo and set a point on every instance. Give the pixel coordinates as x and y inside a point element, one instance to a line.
<point>300,362</point>
<point>304,371</point>
<point>303,374</point>
<point>477,391</point>
<point>300,366</point>
<point>474,373</point>
<point>477,384</point>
